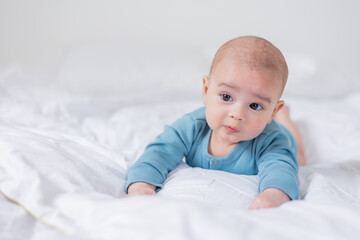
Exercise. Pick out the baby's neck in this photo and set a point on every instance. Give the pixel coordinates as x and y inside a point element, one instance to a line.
<point>218,148</point>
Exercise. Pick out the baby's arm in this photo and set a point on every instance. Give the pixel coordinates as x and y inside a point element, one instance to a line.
<point>270,197</point>
<point>141,188</point>
<point>160,157</point>
<point>278,171</point>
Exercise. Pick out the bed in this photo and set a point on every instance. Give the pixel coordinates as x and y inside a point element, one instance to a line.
<point>65,147</point>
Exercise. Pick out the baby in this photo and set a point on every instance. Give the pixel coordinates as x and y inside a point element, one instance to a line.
<point>235,131</point>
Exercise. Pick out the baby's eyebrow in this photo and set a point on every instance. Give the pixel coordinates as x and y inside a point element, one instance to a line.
<point>225,84</point>
<point>266,99</point>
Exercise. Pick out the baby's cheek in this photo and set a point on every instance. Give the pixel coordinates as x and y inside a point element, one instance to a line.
<point>212,118</point>
<point>257,129</point>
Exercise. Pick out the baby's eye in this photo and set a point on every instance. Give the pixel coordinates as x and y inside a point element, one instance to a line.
<point>226,98</point>
<point>255,106</point>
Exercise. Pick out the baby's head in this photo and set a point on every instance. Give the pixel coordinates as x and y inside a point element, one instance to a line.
<point>242,92</point>
<point>255,53</point>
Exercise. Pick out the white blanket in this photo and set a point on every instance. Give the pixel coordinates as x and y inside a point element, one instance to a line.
<point>63,164</point>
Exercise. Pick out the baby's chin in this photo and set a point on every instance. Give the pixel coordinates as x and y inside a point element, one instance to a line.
<point>235,138</point>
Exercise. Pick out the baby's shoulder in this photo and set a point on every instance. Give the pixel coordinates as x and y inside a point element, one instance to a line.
<point>274,128</point>
<point>198,114</point>
<point>275,131</point>
<point>195,119</point>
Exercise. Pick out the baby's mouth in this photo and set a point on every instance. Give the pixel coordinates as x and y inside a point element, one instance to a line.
<point>231,129</point>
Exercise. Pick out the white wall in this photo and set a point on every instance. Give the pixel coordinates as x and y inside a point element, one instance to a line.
<point>38,34</point>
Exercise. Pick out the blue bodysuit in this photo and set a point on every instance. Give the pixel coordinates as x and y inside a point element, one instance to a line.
<point>271,155</point>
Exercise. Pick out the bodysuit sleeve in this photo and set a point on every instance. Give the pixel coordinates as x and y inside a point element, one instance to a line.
<point>164,153</point>
<point>277,164</point>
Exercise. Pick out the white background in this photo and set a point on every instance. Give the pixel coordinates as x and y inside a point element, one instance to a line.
<point>38,35</point>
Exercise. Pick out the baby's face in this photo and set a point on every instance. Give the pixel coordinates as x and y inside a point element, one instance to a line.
<point>240,102</point>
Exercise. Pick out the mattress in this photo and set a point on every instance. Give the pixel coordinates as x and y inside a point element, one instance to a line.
<point>64,158</point>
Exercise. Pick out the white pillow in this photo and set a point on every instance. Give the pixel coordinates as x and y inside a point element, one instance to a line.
<point>211,186</point>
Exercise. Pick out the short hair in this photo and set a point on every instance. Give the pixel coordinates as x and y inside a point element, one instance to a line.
<point>254,52</point>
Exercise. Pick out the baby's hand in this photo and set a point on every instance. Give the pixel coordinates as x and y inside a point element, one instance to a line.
<point>270,197</point>
<point>141,188</point>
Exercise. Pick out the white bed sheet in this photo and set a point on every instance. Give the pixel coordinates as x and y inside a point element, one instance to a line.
<point>63,162</point>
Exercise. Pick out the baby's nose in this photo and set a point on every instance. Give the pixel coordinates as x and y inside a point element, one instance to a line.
<point>236,117</point>
<point>237,114</point>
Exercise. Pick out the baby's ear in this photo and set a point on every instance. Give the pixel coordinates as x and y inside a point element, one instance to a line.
<point>205,88</point>
<point>280,104</point>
